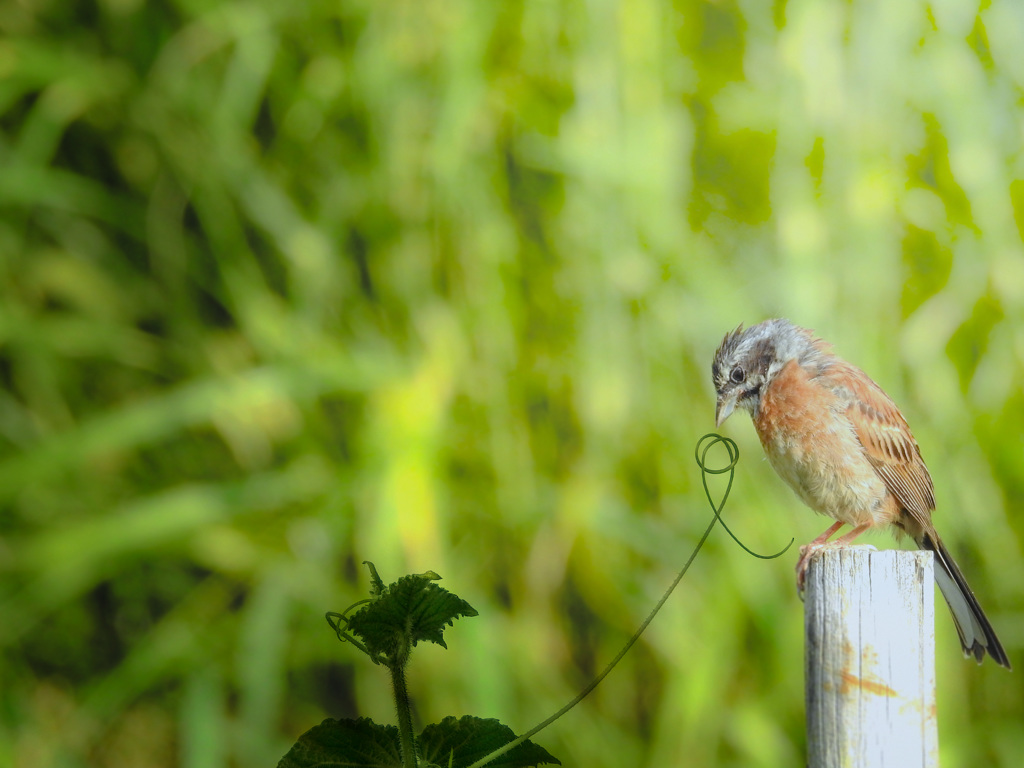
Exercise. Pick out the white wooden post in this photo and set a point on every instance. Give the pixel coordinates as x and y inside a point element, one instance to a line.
<point>870,659</point>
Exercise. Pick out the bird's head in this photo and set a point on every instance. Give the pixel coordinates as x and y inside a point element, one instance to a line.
<point>748,359</point>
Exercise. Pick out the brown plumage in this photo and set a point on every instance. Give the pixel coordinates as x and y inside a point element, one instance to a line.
<point>844,447</point>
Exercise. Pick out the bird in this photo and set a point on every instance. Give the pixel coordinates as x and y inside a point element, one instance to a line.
<point>839,441</point>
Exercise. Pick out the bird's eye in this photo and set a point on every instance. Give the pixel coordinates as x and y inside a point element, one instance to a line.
<point>737,375</point>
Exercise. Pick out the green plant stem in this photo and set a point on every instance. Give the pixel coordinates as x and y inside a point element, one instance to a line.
<point>404,715</point>
<point>734,456</point>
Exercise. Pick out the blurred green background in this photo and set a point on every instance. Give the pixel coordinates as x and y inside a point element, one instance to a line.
<point>436,284</point>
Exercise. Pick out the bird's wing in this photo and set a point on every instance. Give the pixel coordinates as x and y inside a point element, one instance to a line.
<point>890,447</point>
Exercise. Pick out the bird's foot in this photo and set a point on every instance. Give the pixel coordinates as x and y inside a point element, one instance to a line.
<point>807,551</point>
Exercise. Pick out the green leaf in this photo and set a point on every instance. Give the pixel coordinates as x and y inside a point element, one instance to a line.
<point>376,584</point>
<point>350,743</point>
<point>468,739</point>
<point>408,611</point>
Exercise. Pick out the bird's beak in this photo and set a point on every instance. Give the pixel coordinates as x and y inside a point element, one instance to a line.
<point>726,405</point>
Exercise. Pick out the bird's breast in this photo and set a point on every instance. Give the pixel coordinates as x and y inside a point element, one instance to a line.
<point>811,444</point>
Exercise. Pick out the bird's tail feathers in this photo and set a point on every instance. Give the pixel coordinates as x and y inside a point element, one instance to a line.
<point>976,633</point>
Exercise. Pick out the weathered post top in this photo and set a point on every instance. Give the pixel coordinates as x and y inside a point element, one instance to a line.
<point>870,659</point>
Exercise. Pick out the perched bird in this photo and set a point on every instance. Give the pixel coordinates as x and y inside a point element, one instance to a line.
<point>838,440</point>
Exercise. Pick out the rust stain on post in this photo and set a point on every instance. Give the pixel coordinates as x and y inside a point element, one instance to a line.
<point>850,681</point>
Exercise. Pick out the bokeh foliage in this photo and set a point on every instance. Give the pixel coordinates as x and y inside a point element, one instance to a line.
<point>436,283</point>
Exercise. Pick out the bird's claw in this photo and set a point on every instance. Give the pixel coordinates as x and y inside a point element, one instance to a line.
<point>806,553</point>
